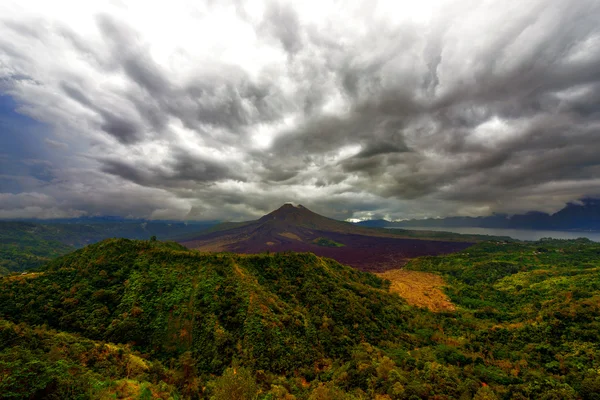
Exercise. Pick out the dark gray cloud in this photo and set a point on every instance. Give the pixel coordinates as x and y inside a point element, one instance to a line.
<point>282,22</point>
<point>121,127</point>
<point>181,170</point>
<point>377,148</point>
<point>226,111</point>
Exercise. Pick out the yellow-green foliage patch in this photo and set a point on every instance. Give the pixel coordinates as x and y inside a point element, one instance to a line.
<point>421,289</point>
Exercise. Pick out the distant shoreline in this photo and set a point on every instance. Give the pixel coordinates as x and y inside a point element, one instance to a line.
<point>519,234</point>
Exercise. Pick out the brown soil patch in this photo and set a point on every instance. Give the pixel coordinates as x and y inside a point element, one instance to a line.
<point>420,289</point>
<point>291,235</point>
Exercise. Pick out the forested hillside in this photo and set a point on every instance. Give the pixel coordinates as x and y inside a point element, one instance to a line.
<point>24,247</point>
<point>295,326</point>
<point>530,314</point>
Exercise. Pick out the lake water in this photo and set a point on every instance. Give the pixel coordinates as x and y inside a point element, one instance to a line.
<point>520,234</point>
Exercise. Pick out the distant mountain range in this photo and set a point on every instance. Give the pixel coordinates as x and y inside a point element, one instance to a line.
<point>110,219</point>
<point>584,215</point>
<point>79,232</point>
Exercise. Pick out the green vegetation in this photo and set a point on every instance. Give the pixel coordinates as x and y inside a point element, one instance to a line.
<point>43,363</point>
<point>22,247</point>
<point>295,326</point>
<point>530,313</point>
<point>272,312</point>
<point>321,241</point>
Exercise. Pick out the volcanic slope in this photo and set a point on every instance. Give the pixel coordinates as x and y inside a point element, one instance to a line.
<point>296,228</point>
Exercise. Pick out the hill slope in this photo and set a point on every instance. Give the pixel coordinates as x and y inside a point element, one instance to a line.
<point>41,363</point>
<point>24,246</point>
<point>271,311</point>
<point>292,228</point>
<point>296,326</point>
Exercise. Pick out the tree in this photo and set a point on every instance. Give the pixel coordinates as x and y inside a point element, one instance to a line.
<point>235,384</point>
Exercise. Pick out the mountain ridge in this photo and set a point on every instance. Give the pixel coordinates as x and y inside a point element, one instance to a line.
<point>584,215</point>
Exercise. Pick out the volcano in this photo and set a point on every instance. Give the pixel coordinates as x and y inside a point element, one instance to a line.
<point>296,228</point>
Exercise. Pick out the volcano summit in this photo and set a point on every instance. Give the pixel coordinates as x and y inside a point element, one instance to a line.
<point>296,228</point>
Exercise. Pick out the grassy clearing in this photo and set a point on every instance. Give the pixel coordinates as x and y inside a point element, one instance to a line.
<point>321,241</point>
<point>23,276</point>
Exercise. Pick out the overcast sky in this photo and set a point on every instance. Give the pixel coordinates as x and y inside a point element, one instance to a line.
<point>226,110</point>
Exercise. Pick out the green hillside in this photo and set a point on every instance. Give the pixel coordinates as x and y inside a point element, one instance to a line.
<point>276,313</point>
<point>42,363</point>
<point>295,326</point>
<point>25,246</point>
<point>530,313</point>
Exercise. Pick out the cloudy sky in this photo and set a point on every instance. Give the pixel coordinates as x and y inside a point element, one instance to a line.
<point>226,110</point>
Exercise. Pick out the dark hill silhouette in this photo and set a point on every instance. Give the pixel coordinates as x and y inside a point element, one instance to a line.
<point>289,214</point>
<point>296,228</point>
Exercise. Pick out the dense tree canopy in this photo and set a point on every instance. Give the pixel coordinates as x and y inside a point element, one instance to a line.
<point>281,326</point>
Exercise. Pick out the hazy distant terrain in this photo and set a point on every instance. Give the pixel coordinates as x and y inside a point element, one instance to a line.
<point>575,216</point>
<point>516,234</point>
<point>26,245</point>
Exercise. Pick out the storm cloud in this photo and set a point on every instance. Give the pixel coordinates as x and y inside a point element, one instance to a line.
<point>225,110</point>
